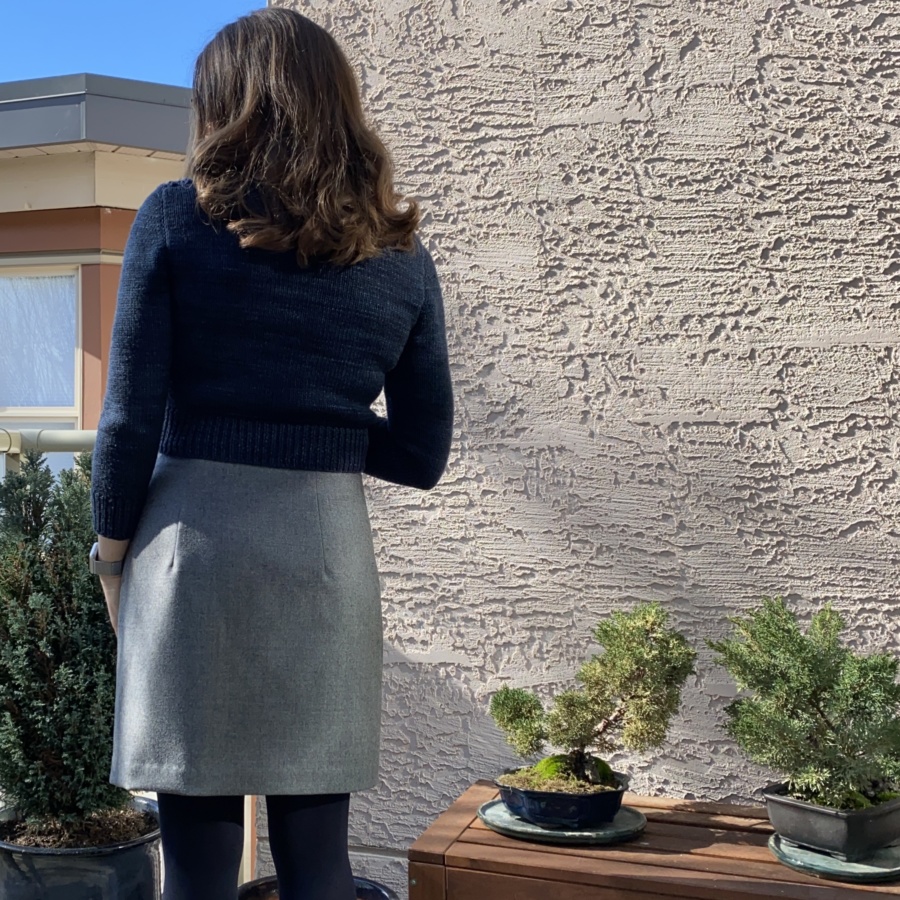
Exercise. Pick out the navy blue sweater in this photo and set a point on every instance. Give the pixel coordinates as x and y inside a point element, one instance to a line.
<point>242,356</point>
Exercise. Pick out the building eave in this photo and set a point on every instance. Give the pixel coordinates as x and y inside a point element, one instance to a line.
<point>71,111</point>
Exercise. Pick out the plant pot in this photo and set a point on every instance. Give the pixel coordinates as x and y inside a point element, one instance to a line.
<point>267,889</point>
<point>561,808</point>
<point>127,871</point>
<point>847,834</point>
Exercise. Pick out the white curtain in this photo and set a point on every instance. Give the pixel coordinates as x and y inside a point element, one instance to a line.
<point>37,340</point>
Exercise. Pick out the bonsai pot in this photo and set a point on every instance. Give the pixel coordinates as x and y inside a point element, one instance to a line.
<point>847,834</point>
<point>127,871</point>
<point>267,889</point>
<point>561,809</point>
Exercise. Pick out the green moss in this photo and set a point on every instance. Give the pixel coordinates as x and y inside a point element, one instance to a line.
<point>557,766</point>
<point>856,800</point>
<point>558,769</point>
<point>603,771</point>
<point>529,780</point>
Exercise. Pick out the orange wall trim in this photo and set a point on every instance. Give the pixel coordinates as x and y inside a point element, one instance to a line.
<point>99,286</point>
<point>61,230</point>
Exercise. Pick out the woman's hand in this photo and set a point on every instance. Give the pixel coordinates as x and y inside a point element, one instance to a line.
<point>112,550</point>
<point>111,585</point>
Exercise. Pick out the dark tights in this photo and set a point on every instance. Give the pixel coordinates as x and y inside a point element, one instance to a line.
<point>203,837</point>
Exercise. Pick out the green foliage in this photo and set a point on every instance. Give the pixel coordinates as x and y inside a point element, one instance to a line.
<point>57,649</point>
<point>824,716</point>
<point>638,680</point>
<point>572,720</point>
<point>628,698</point>
<point>520,714</point>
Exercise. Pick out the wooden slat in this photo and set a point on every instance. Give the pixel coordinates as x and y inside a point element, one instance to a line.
<point>463,884</point>
<point>701,820</point>
<point>687,817</point>
<point>765,868</point>
<point>713,841</point>
<point>676,818</point>
<point>694,843</point>
<point>427,881</point>
<point>431,845</point>
<point>697,806</point>
<point>668,881</point>
<point>707,841</point>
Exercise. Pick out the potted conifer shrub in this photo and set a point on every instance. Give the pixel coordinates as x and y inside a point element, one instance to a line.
<point>628,696</point>
<point>824,716</point>
<point>66,832</point>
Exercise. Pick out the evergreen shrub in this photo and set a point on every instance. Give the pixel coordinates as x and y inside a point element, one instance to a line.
<point>57,650</point>
<point>823,715</point>
<point>630,693</point>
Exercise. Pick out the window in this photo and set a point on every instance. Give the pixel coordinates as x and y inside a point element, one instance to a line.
<point>40,365</point>
<point>39,333</point>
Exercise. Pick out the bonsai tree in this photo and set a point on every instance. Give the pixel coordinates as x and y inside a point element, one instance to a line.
<point>630,693</point>
<point>57,665</point>
<point>818,712</point>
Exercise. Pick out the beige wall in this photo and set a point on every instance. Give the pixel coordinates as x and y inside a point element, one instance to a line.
<point>77,175</point>
<point>667,234</point>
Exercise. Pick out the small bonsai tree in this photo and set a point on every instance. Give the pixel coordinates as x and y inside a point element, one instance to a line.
<point>817,712</point>
<point>57,657</point>
<point>629,695</point>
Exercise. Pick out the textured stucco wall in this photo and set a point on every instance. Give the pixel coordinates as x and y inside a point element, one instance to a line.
<point>668,238</point>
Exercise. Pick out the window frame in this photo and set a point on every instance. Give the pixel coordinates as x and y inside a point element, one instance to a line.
<point>51,414</point>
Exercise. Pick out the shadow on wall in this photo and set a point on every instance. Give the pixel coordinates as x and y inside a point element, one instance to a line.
<point>437,738</point>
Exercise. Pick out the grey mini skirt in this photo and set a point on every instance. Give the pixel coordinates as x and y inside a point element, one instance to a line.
<point>250,634</point>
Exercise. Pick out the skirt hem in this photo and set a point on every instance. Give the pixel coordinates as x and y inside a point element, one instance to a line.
<point>172,783</point>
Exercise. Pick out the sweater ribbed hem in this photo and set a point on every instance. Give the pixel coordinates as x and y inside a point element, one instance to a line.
<point>279,445</point>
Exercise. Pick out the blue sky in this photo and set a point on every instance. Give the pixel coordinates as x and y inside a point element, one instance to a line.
<point>150,41</point>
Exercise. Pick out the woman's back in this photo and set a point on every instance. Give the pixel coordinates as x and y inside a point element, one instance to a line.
<point>241,355</point>
<point>257,336</point>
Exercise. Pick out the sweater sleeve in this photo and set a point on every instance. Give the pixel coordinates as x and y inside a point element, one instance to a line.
<point>137,385</point>
<point>412,446</point>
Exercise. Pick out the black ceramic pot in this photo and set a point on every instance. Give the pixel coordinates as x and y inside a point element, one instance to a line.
<point>129,871</point>
<point>561,809</point>
<point>847,834</point>
<point>267,889</point>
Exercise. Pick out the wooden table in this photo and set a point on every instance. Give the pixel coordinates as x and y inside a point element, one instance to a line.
<point>702,851</point>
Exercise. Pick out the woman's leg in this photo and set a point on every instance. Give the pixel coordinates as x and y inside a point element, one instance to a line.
<point>308,837</point>
<point>202,844</point>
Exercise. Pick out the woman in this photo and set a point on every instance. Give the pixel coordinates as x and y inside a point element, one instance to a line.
<point>265,301</point>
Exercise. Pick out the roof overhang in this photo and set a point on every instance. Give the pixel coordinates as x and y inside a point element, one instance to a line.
<point>97,109</point>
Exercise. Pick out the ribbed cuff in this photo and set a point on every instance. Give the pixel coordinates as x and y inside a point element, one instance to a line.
<point>114,517</point>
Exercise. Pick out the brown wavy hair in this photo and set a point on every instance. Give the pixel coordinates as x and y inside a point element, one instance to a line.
<point>280,147</point>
